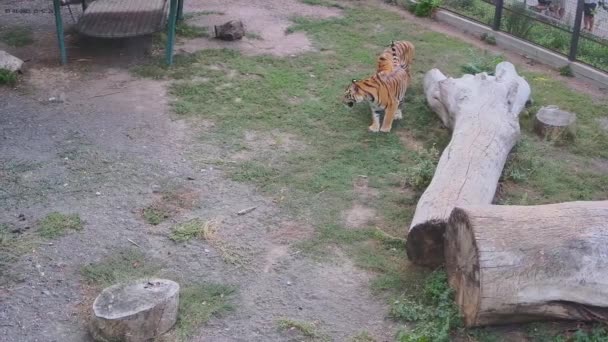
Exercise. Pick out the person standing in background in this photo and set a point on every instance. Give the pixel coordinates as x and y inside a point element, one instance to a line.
<point>589,14</point>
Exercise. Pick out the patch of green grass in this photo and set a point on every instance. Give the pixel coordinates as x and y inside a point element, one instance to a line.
<point>195,228</point>
<point>156,215</point>
<point>325,3</point>
<point>212,13</point>
<point>198,303</point>
<point>435,312</point>
<point>548,332</point>
<point>419,176</point>
<point>254,172</point>
<point>56,224</point>
<point>306,329</point>
<point>363,337</point>
<point>186,30</point>
<point>121,266</point>
<point>17,36</point>
<point>482,63</point>
<point>7,77</point>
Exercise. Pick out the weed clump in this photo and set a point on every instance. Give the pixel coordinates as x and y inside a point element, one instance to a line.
<point>195,228</point>
<point>56,224</point>
<point>199,302</point>
<point>435,312</point>
<point>419,175</point>
<point>7,77</point>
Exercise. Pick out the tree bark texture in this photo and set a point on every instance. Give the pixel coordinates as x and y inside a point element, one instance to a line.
<point>483,114</point>
<point>513,264</point>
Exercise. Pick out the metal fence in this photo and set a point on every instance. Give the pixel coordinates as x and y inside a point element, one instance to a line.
<point>568,27</point>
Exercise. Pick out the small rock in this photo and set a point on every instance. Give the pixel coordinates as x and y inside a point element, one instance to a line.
<point>98,193</point>
<point>46,292</point>
<point>232,30</point>
<point>21,217</point>
<point>288,283</point>
<point>206,250</point>
<point>190,178</point>
<point>10,62</point>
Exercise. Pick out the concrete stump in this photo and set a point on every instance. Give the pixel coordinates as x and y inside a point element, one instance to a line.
<point>135,312</point>
<point>553,124</point>
<point>232,30</point>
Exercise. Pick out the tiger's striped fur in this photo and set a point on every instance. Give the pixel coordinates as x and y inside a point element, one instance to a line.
<point>402,55</point>
<point>384,91</point>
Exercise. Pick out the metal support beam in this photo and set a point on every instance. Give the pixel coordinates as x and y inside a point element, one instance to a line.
<point>180,10</point>
<point>60,35</point>
<point>576,30</point>
<point>171,32</point>
<point>497,14</point>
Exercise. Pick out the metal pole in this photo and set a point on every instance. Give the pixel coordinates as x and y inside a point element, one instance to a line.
<point>180,10</point>
<point>60,37</point>
<point>497,14</point>
<point>171,32</point>
<point>576,30</point>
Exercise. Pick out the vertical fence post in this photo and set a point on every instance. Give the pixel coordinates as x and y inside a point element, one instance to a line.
<point>60,35</point>
<point>171,32</point>
<point>576,30</point>
<point>497,14</point>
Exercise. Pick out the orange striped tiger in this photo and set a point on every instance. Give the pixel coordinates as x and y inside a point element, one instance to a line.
<point>384,91</point>
<point>402,54</point>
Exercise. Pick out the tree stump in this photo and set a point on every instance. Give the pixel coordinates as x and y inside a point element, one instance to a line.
<point>136,311</point>
<point>513,264</point>
<point>232,30</point>
<point>483,113</point>
<point>554,124</point>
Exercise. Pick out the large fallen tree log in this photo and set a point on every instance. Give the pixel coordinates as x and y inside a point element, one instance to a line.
<point>512,264</point>
<point>483,113</point>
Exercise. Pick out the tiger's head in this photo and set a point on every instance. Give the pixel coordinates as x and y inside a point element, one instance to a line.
<point>353,94</point>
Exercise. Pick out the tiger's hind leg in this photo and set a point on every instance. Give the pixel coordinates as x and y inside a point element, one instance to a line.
<point>389,115</point>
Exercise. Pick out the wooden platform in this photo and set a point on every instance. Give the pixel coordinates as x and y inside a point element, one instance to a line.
<point>123,18</point>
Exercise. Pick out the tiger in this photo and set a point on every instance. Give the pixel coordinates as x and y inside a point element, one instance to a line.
<point>402,55</point>
<point>384,91</point>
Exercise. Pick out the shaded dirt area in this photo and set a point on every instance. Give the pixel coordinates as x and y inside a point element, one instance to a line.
<point>106,146</point>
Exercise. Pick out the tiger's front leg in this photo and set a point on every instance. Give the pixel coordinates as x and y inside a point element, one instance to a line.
<point>389,116</point>
<point>375,126</point>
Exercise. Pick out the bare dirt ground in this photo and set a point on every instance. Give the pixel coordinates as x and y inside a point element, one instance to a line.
<point>112,146</point>
<point>106,152</point>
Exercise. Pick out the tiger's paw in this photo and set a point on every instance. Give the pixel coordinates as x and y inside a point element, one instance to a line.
<point>373,128</point>
<point>398,115</point>
<point>385,129</point>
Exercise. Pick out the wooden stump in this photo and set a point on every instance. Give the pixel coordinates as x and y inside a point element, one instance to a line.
<point>482,111</point>
<point>136,311</point>
<point>232,30</point>
<point>553,124</point>
<point>513,264</point>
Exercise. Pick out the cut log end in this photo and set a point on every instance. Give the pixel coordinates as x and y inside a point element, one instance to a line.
<point>462,264</point>
<point>424,245</point>
<point>554,124</point>
<point>515,264</point>
<point>135,312</point>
